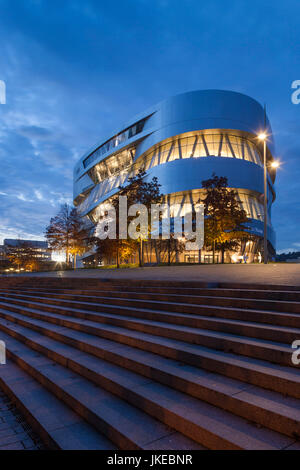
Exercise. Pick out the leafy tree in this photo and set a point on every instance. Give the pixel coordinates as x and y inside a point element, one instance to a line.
<point>120,250</point>
<point>137,191</point>
<point>140,191</point>
<point>224,218</point>
<point>67,233</point>
<point>79,237</point>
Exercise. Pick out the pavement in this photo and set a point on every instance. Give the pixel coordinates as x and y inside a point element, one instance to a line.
<point>15,433</point>
<point>277,274</point>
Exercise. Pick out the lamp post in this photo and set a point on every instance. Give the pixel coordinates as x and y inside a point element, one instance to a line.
<point>263,136</point>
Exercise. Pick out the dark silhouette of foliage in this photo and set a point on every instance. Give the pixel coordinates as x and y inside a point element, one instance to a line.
<point>224,219</point>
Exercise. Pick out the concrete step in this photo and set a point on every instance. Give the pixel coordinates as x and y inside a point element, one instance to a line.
<point>112,305</point>
<point>179,316</point>
<point>186,291</point>
<point>125,425</point>
<point>265,408</point>
<point>57,425</point>
<point>278,378</point>
<point>94,283</point>
<point>286,296</point>
<point>197,420</point>
<point>261,349</point>
<point>269,330</point>
<point>153,300</point>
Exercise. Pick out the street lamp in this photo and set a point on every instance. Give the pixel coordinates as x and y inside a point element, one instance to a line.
<point>275,164</point>
<point>263,137</point>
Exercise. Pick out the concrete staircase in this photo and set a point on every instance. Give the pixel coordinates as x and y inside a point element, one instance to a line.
<point>152,365</point>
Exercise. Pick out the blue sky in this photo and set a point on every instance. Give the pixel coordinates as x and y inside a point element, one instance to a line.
<point>74,69</point>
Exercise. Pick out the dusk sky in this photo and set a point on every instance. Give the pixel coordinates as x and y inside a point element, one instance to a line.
<point>76,69</point>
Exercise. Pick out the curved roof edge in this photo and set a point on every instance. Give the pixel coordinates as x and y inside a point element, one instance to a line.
<point>210,104</point>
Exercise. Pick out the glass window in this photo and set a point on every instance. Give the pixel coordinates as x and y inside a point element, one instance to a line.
<point>202,145</point>
<point>114,142</point>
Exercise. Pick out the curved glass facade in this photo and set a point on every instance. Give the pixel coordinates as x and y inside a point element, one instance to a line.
<point>196,132</point>
<point>249,202</point>
<point>112,166</point>
<point>114,142</point>
<point>198,145</point>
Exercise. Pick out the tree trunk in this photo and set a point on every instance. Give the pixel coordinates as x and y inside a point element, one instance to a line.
<point>141,254</point>
<point>169,252</point>
<point>199,256</point>
<point>223,253</point>
<point>214,251</point>
<point>74,262</point>
<point>118,261</point>
<point>67,251</point>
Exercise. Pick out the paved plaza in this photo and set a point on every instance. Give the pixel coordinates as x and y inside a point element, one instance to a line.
<point>15,433</point>
<point>281,273</point>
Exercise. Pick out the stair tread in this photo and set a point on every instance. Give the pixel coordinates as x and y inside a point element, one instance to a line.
<point>179,328</point>
<point>159,302</point>
<point>177,288</point>
<point>157,365</point>
<point>172,296</point>
<point>259,365</point>
<point>64,426</point>
<point>231,428</point>
<point>271,400</point>
<point>221,320</point>
<point>138,427</point>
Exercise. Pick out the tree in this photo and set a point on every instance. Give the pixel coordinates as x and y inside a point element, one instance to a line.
<point>120,250</point>
<point>79,237</point>
<point>140,191</point>
<point>67,233</point>
<point>224,219</point>
<point>137,191</point>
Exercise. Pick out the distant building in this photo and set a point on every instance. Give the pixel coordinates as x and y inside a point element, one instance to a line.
<point>39,248</point>
<point>3,255</point>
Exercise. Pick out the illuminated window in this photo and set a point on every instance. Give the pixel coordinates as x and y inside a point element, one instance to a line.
<point>112,166</point>
<point>201,145</point>
<point>114,142</point>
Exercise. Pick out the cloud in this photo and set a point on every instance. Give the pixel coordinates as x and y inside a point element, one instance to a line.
<point>21,197</point>
<point>35,132</point>
<point>38,195</point>
<point>77,70</point>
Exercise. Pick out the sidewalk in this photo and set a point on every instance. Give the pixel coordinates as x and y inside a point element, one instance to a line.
<point>279,274</point>
<point>15,433</point>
